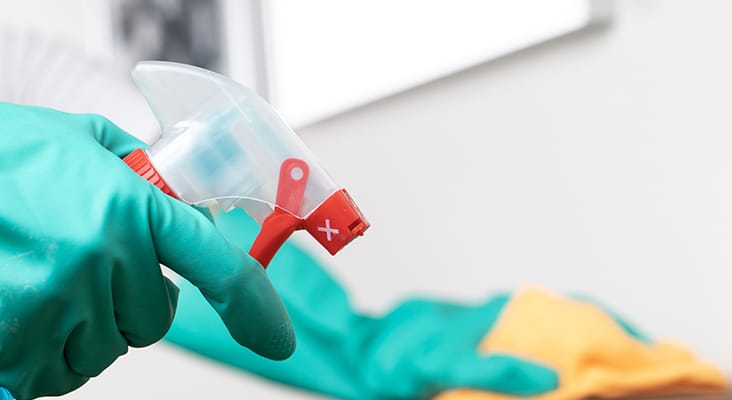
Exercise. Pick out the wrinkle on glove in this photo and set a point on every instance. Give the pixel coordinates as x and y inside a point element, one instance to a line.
<point>593,354</point>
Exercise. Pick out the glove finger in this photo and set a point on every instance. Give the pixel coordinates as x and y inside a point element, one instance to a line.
<point>137,311</point>
<point>502,374</point>
<point>92,347</point>
<point>144,303</point>
<point>232,282</point>
<point>112,137</point>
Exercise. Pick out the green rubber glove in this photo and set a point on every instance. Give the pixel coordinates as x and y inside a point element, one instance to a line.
<point>416,351</point>
<point>81,239</point>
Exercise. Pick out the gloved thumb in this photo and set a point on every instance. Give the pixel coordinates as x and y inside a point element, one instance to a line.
<point>501,373</point>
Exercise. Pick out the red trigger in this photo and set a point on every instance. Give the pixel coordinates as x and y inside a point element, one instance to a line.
<point>279,225</point>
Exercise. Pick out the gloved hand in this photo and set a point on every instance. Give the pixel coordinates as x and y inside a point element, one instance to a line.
<point>416,351</point>
<point>81,239</point>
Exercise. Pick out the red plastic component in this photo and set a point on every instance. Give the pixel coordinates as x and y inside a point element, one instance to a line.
<point>140,163</point>
<point>279,225</point>
<point>294,174</point>
<point>336,222</point>
<point>276,228</point>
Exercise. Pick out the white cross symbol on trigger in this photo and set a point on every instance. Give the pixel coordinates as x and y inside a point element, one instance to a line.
<point>328,230</point>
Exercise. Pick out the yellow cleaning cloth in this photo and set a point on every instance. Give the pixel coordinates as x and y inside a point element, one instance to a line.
<point>592,354</point>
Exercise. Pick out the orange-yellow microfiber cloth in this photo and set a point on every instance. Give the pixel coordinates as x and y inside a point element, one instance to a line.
<point>593,355</point>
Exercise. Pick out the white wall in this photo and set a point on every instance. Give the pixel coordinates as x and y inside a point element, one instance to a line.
<point>599,163</point>
<point>72,22</point>
<point>60,18</point>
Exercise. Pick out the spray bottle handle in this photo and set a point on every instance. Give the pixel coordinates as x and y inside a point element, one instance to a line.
<point>283,221</point>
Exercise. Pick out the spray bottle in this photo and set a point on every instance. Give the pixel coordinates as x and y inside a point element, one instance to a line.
<point>223,145</point>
